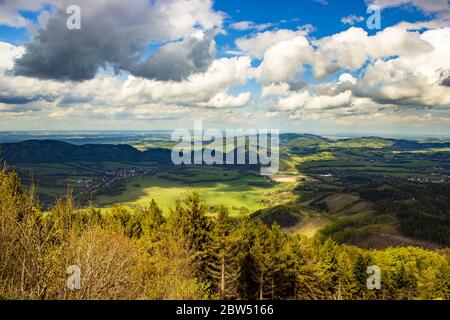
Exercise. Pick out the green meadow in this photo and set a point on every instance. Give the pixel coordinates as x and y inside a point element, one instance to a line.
<point>239,191</point>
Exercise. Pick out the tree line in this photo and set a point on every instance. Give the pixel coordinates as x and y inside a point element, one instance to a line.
<point>189,253</point>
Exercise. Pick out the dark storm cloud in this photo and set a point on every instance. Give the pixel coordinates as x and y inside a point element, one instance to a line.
<point>297,84</point>
<point>176,61</point>
<point>15,100</point>
<point>446,82</point>
<point>20,100</point>
<point>63,54</point>
<point>114,36</point>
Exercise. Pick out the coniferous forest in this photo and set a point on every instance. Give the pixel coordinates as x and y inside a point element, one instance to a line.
<point>187,253</point>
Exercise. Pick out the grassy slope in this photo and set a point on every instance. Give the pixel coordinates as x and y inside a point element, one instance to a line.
<point>215,186</point>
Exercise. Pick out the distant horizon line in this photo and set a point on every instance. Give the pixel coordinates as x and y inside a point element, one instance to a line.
<point>168,131</point>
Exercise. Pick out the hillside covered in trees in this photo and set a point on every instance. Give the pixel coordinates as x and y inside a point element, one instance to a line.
<point>44,151</point>
<point>143,253</point>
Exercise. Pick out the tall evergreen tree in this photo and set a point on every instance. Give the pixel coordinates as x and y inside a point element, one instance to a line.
<point>152,219</point>
<point>261,247</point>
<point>190,220</point>
<point>223,265</point>
<point>360,275</point>
<point>330,277</point>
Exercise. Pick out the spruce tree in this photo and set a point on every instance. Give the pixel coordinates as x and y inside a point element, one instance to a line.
<point>264,246</point>
<point>330,277</point>
<point>222,265</point>
<point>190,221</point>
<point>360,275</point>
<point>152,219</point>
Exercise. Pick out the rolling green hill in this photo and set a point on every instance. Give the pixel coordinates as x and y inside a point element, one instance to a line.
<point>50,151</point>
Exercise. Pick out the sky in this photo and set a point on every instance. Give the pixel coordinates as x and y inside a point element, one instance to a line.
<point>316,66</point>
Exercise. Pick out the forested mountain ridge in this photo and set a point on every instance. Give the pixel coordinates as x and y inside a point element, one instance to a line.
<point>50,151</point>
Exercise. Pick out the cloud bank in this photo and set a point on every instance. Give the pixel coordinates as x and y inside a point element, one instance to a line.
<point>163,63</point>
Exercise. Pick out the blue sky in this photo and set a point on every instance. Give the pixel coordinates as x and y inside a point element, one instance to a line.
<point>286,14</point>
<point>324,16</point>
<point>310,65</point>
